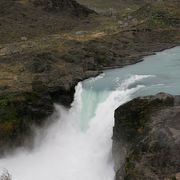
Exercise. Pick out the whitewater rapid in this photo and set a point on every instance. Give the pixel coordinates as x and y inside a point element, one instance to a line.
<point>78,145</point>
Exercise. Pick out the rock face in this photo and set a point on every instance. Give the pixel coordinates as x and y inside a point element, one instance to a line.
<point>146,138</point>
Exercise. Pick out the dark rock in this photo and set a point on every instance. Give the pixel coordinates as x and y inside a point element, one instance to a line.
<point>148,128</point>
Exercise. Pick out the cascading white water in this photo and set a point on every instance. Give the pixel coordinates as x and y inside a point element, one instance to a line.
<point>78,145</point>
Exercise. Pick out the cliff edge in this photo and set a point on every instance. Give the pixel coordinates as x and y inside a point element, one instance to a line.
<point>146,138</point>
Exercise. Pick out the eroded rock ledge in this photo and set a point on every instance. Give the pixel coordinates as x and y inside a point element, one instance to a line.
<point>146,138</point>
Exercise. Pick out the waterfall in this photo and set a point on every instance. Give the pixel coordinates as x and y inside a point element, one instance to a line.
<point>78,145</point>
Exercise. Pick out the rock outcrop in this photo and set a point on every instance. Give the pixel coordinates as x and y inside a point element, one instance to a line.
<point>146,138</point>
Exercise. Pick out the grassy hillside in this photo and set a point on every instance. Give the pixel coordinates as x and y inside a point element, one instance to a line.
<point>19,19</point>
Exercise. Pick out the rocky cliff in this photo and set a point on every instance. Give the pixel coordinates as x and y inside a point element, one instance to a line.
<point>146,138</point>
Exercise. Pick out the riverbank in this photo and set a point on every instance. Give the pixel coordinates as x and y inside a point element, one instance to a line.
<point>38,69</point>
